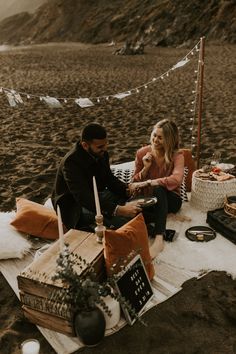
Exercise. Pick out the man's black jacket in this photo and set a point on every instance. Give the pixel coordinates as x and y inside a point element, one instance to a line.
<point>73,188</point>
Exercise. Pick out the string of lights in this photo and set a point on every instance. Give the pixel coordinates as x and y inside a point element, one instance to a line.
<point>15,97</point>
<point>193,110</point>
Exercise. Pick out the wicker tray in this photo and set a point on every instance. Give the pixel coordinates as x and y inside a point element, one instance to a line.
<point>230,206</point>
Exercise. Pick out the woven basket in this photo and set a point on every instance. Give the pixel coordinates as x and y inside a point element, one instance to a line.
<point>230,206</point>
<point>209,195</point>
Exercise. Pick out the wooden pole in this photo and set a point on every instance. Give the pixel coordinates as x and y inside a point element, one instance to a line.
<point>200,93</point>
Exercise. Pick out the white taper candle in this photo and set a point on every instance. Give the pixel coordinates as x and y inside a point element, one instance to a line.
<point>97,204</point>
<point>60,229</point>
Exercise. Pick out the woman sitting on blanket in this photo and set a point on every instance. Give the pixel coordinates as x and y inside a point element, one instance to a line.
<point>159,171</point>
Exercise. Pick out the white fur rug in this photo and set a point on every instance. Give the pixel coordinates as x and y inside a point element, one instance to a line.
<point>13,244</point>
<point>218,254</point>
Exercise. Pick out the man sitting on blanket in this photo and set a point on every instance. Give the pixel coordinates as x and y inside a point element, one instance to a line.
<point>73,188</point>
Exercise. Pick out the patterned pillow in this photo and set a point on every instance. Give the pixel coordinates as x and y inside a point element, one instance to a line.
<point>124,172</point>
<point>183,187</point>
<point>191,165</point>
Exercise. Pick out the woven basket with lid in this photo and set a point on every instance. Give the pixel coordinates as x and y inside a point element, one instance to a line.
<point>209,195</point>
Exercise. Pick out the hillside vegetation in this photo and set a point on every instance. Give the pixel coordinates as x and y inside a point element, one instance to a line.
<point>163,22</point>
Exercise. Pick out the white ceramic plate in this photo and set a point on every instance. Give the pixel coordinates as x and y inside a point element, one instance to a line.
<point>225,166</point>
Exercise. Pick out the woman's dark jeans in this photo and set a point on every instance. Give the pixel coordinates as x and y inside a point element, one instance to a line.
<point>167,202</point>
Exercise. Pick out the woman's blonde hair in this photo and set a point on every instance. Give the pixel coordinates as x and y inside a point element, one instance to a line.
<point>170,138</point>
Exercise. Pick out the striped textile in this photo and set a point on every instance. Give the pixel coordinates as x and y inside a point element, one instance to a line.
<point>124,172</point>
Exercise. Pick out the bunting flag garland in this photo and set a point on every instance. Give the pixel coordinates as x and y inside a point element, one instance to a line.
<point>15,97</point>
<point>180,63</point>
<point>11,99</point>
<point>194,106</point>
<point>84,102</point>
<point>122,95</point>
<point>52,102</point>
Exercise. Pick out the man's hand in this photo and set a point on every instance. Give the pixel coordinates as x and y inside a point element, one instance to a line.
<point>130,209</point>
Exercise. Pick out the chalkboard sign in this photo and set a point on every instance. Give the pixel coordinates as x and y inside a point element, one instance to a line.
<point>134,285</point>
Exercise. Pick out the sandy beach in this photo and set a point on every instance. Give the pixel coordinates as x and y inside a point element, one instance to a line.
<point>201,318</point>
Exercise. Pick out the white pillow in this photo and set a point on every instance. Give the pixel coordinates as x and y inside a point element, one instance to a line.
<point>12,243</point>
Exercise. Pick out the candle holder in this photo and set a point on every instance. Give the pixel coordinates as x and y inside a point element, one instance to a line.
<point>100,228</point>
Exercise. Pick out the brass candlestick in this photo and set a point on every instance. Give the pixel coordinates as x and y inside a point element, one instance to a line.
<point>100,228</point>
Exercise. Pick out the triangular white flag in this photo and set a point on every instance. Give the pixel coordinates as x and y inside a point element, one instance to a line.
<point>181,63</point>
<point>11,99</point>
<point>52,102</point>
<point>84,102</point>
<point>122,95</point>
<point>18,98</point>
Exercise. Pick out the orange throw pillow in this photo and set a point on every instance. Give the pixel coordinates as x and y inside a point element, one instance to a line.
<point>129,237</point>
<point>35,219</point>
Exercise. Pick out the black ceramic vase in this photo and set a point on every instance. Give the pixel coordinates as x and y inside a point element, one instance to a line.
<point>90,326</point>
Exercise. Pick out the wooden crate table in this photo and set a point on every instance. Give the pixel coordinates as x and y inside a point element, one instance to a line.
<point>37,291</point>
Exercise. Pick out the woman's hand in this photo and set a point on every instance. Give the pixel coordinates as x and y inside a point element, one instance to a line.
<point>140,185</point>
<point>136,187</point>
<point>147,160</point>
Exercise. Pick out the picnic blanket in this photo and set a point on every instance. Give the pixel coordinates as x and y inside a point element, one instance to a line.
<point>181,260</point>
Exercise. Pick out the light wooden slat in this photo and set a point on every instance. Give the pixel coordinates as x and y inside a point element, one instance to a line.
<point>51,322</point>
<point>164,287</point>
<point>173,275</point>
<point>46,263</point>
<point>47,306</point>
<point>159,296</point>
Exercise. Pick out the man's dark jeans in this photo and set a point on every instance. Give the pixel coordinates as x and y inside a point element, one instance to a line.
<point>167,202</point>
<point>87,220</point>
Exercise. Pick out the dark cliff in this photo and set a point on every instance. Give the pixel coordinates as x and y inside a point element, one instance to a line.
<point>160,22</point>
